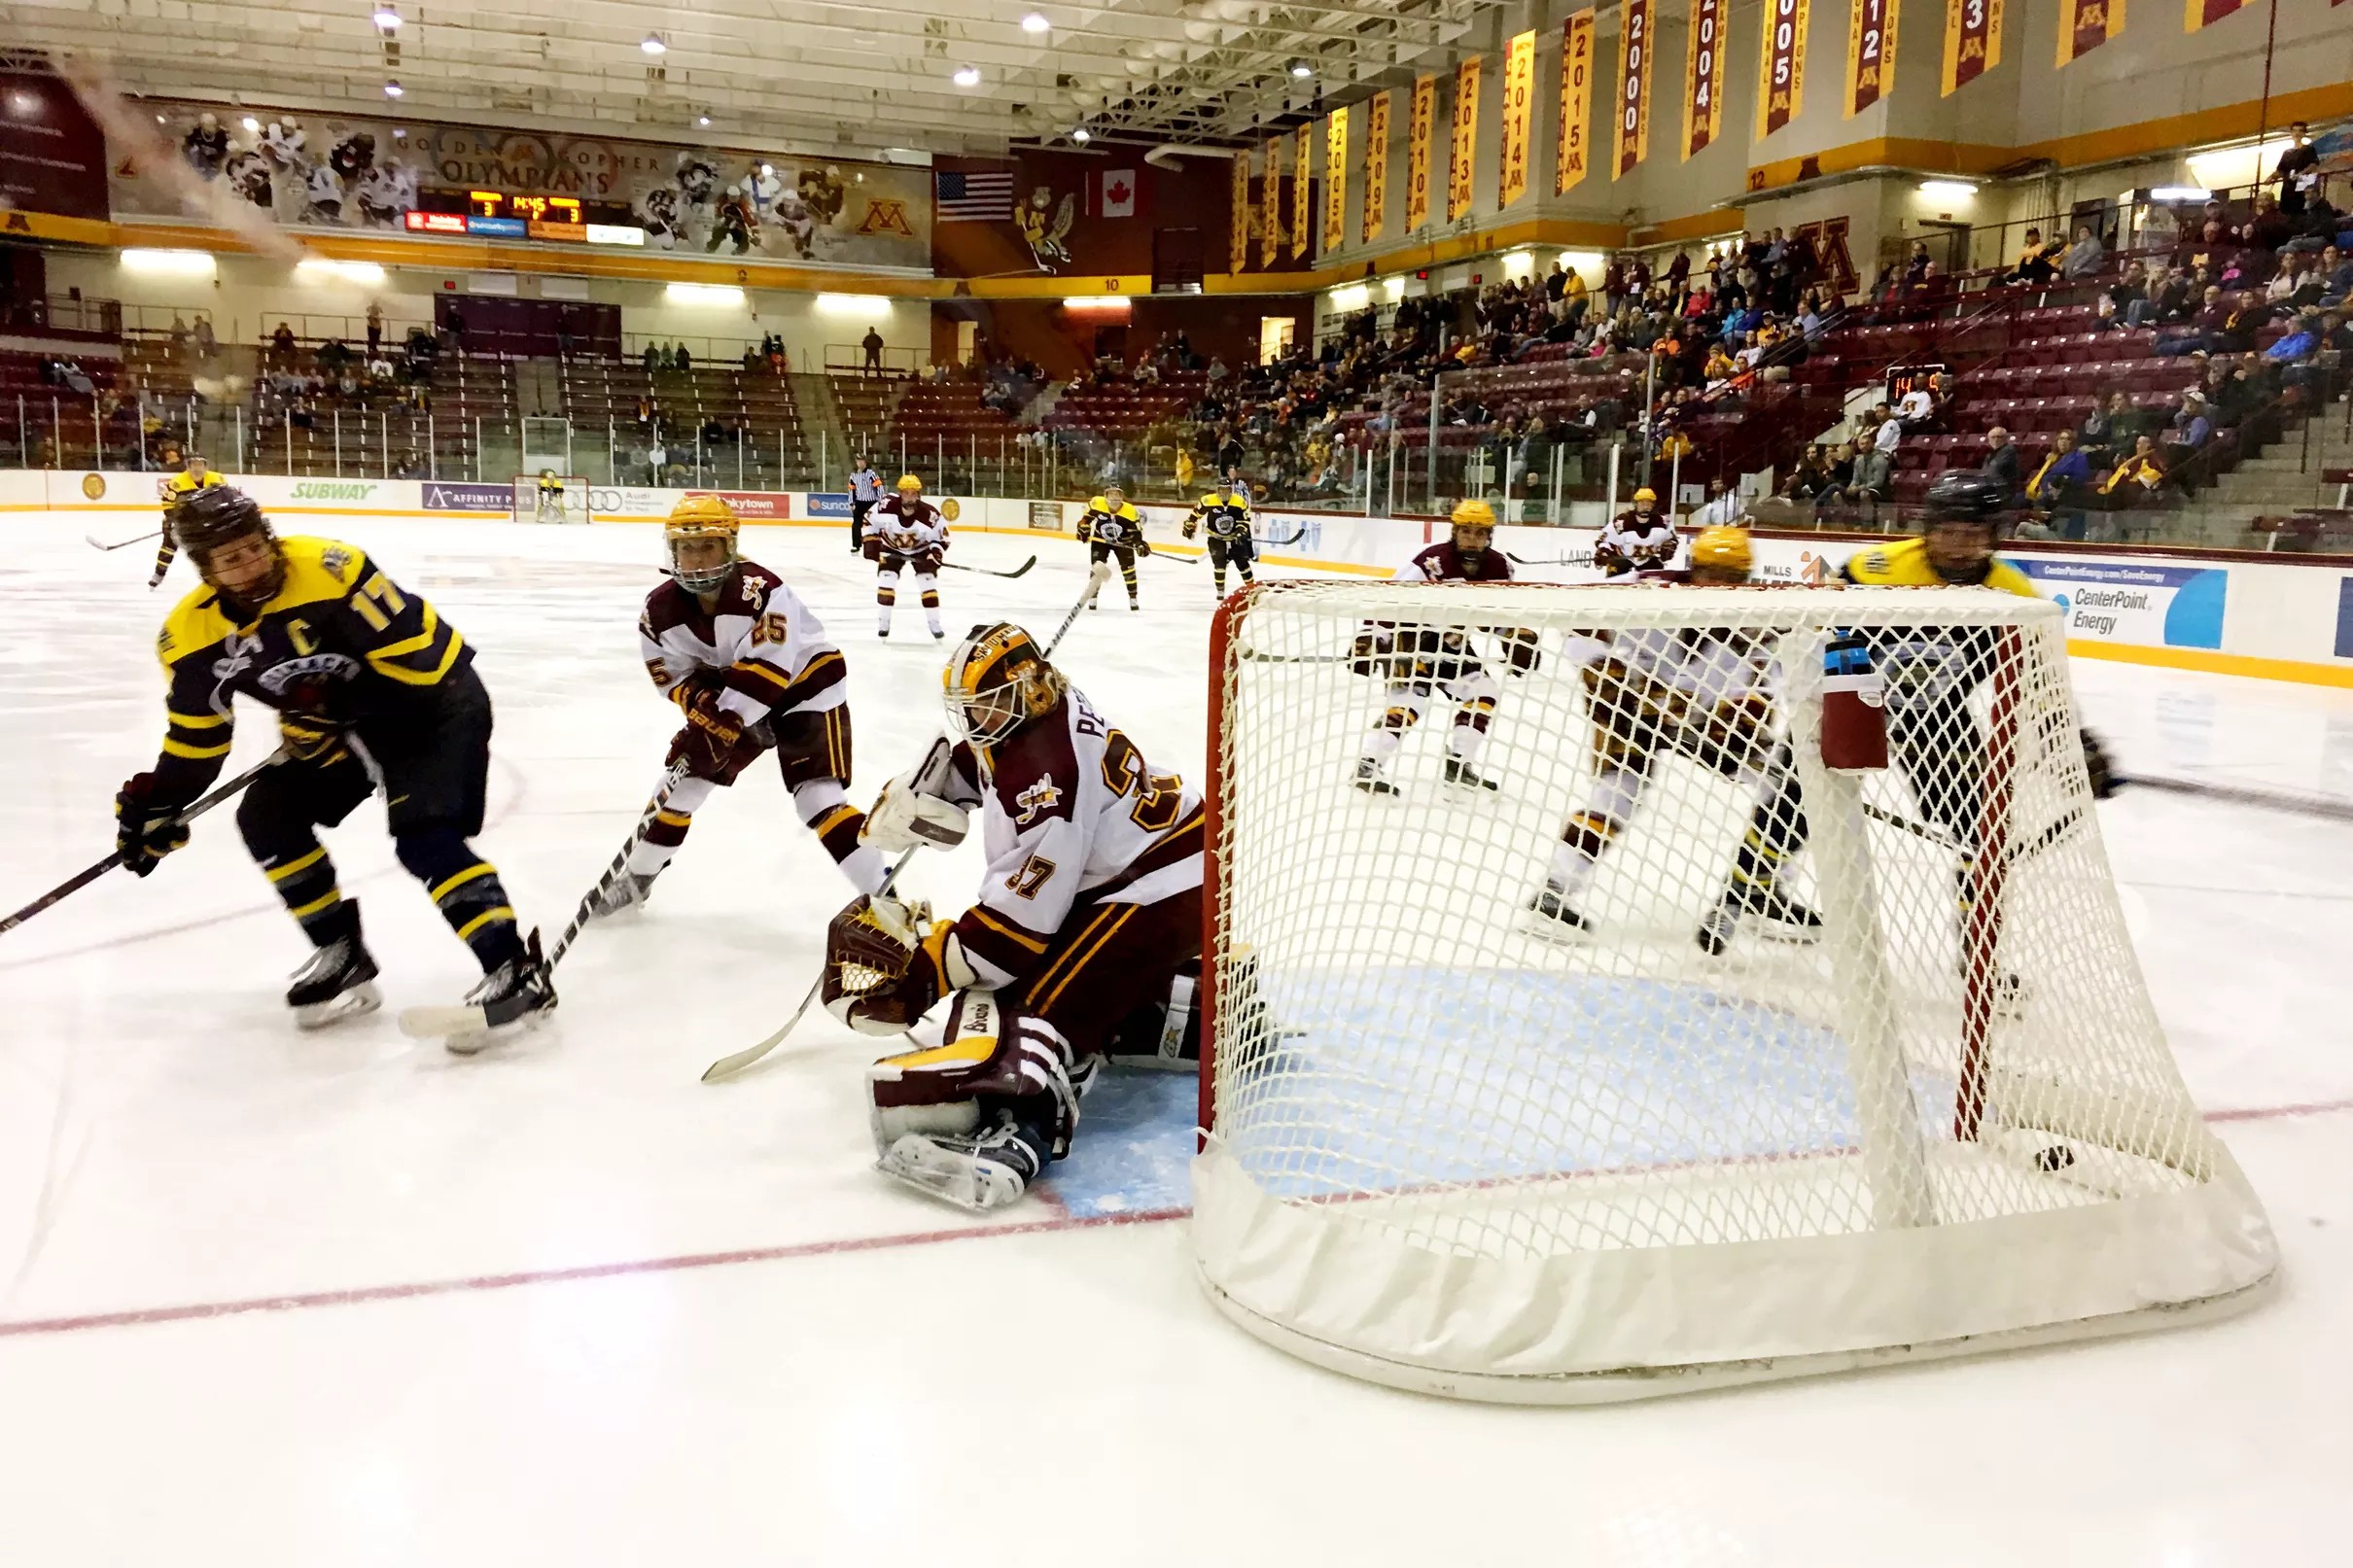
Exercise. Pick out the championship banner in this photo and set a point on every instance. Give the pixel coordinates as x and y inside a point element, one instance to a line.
<point>2085,25</point>
<point>1467,139</point>
<point>1270,207</point>
<point>1302,211</point>
<point>1633,87</point>
<point>2203,13</point>
<point>1420,126</point>
<point>1238,223</point>
<point>1518,117</point>
<point>1376,166</point>
<point>1570,159</point>
<point>1870,53</point>
<point>1704,75</point>
<point>1335,180</point>
<point>1781,74</point>
<point>1972,41</point>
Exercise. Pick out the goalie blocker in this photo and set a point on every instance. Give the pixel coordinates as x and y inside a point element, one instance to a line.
<point>1082,945</point>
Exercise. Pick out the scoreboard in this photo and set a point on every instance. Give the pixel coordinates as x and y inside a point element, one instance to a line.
<point>523,215</point>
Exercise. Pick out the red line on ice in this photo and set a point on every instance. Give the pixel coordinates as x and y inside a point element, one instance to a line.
<point>472,1283</point>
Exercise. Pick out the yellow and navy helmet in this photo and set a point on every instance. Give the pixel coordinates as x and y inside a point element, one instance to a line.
<point>1725,548</point>
<point>994,682</point>
<point>696,518</point>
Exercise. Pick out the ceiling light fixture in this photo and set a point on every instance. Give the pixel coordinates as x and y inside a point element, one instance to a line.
<point>391,89</point>
<point>249,124</point>
<point>702,120</point>
<point>1301,69</point>
<point>1947,189</point>
<point>1082,136</point>
<point>967,76</point>
<point>1034,24</point>
<point>653,44</point>
<point>387,18</point>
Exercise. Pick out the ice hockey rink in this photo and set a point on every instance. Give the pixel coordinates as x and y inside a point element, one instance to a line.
<point>340,1297</point>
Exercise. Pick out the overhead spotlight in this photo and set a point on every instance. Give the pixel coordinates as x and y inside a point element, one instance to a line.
<point>249,124</point>
<point>702,120</point>
<point>1947,189</point>
<point>967,76</point>
<point>387,18</point>
<point>1301,69</point>
<point>1034,22</point>
<point>158,119</point>
<point>1082,136</point>
<point>653,44</point>
<point>391,89</point>
<point>767,171</point>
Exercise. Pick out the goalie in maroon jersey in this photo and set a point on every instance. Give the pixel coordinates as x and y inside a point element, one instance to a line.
<point>1419,664</point>
<point>1089,912</point>
<point>752,671</point>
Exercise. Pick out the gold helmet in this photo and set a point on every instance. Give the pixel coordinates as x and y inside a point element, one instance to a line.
<point>1646,492</point>
<point>995,682</point>
<point>908,482</point>
<point>692,521</point>
<point>1473,514</point>
<point>1723,547</point>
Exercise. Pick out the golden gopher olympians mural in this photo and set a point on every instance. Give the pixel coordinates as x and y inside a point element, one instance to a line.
<point>314,171</point>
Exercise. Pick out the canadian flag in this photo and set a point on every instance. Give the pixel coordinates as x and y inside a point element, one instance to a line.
<point>1113,193</point>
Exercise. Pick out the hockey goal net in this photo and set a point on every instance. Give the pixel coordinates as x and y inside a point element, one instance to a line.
<point>566,504</point>
<point>1458,1145</point>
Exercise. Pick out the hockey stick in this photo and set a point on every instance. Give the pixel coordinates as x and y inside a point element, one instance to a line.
<point>728,1066</point>
<point>1286,544</point>
<point>1522,560</point>
<point>125,545</point>
<point>440,1022</point>
<point>1019,571</point>
<point>2241,795</point>
<point>83,879</point>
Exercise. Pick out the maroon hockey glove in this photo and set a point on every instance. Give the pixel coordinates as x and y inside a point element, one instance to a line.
<point>708,742</point>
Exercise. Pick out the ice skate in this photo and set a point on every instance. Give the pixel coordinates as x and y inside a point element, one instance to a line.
<point>988,1170</point>
<point>1369,780</point>
<point>517,996</point>
<point>1552,906</point>
<point>626,892</point>
<point>338,981</point>
<point>1459,772</point>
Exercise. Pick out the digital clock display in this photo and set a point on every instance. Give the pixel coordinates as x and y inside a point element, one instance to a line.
<point>536,209</point>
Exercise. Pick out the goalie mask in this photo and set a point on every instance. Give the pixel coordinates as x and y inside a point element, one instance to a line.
<point>701,538</point>
<point>996,681</point>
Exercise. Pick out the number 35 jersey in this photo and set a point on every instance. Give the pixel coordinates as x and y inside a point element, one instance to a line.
<point>1072,815</point>
<point>338,643</point>
<point>768,653</point>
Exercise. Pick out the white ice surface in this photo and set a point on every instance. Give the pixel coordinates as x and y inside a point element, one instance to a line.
<point>854,1384</point>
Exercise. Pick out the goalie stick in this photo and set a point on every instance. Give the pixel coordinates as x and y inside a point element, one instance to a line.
<point>93,544</point>
<point>441,1022</point>
<point>728,1066</point>
<point>83,878</point>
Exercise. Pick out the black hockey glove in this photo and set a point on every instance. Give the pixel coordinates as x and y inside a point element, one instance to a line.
<point>147,828</point>
<point>310,740</point>
<point>2095,764</point>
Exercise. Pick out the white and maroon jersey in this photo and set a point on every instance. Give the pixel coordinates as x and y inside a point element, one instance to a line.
<point>1633,542</point>
<point>908,529</point>
<point>1071,816</point>
<point>1443,563</point>
<point>1709,666</point>
<point>769,653</point>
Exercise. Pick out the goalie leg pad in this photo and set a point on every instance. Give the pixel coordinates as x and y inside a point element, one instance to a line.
<point>1164,1035</point>
<point>994,1064</point>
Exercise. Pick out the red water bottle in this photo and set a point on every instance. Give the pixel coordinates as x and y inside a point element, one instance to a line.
<point>1854,708</point>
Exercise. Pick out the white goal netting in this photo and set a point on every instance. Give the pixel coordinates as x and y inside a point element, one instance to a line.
<point>563,498</point>
<point>1660,1132</point>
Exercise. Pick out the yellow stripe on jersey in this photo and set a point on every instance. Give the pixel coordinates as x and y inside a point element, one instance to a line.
<point>481,868</point>
<point>1904,563</point>
<point>412,676</point>
<point>502,912</point>
<point>192,721</point>
<point>331,898</point>
<point>1006,929</point>
<point>195,753</point>
<point>1073,971</point>
<point>317,569</point>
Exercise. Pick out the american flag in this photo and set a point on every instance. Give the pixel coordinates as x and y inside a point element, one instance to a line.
<point>977,195</point>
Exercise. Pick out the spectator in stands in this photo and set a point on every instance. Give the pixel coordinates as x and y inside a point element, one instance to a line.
<point>657,462</point>
<point>1872,479</point>
<point>872,344</point>
<point>2337,337</point>
<point>2085,257</point>
<point>2114,304</point>
<point>2297,173</point>
<point>1917,408</point>
<point>375,327</point>
<point>2034,261</point>
<point>178,335</point>
<point>2001,461</point>
<point>651,359</point>
<point>2337,277</point>
<point>2185,438</point>
<point>455,320</point>
<point>2269,229</point>
<point>2060,483</point>
<point>207,344</point>
<point>2286,280</point>
<point>715,434</point>
<point>282,344</point>
<point>2138,479</point>
<point>683,360</point>
<point>1572,298</point>
<point>752,359</point>
<point>1886,432</point>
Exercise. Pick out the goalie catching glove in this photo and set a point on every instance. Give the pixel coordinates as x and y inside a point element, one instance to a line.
<point>903,817</point>
<point>886,963</point>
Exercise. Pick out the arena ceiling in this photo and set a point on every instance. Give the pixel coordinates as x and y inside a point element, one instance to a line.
<point>854,77</point>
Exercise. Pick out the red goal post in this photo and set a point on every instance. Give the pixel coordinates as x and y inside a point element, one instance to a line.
<point>1451,1146</point>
